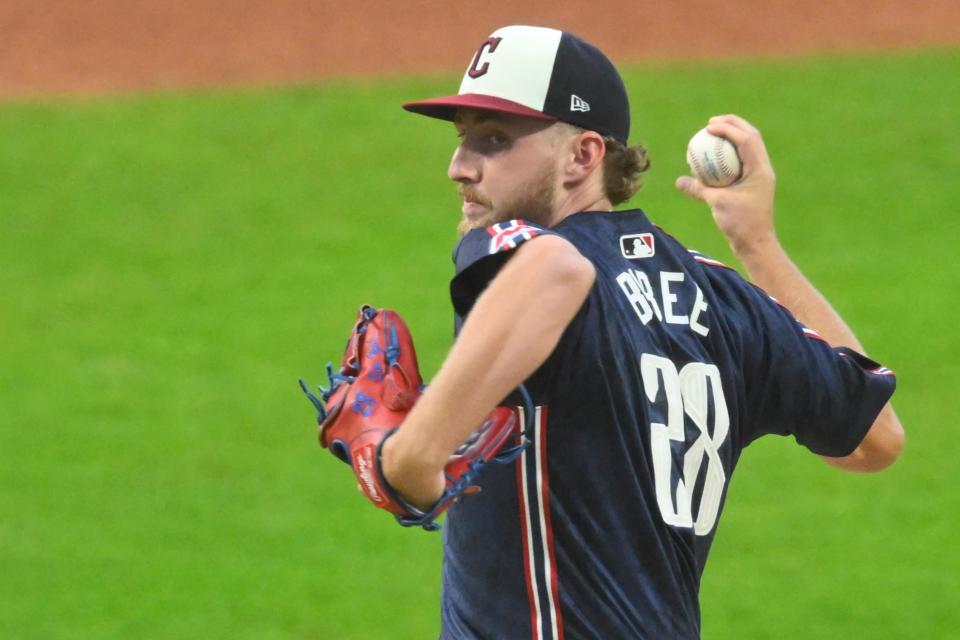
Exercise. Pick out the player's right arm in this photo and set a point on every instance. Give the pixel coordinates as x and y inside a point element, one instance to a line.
<point>744,213</point>
<point>771,269</point>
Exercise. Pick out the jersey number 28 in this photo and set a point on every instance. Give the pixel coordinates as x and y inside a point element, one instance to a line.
<point>672,395</point>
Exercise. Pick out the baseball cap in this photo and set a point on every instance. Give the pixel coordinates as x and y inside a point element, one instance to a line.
<point>540,73</point>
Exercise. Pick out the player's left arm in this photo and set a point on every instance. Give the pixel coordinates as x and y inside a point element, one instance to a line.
<point>512,329</point>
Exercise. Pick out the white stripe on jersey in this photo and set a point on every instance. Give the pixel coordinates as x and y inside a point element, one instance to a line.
<point>539,490</point>
<point>531,557</point>
<point>545,533</point>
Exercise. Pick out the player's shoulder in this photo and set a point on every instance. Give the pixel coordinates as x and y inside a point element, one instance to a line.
<point>725,282</point>
<point>499,238</point>
<point>745,301</point>
<point>714,267</point>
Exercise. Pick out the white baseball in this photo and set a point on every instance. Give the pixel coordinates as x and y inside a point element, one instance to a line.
<point>713,159</point>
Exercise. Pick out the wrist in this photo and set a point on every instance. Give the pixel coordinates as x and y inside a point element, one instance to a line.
<point>418,483</point>
<point>757,249</point>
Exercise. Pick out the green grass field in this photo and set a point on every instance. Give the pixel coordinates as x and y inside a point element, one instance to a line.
<point>172,264</point>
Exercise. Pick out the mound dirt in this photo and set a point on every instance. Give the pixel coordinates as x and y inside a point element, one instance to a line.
<point>64,47</point>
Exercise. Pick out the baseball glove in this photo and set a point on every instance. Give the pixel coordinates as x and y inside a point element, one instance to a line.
<point>368,398</point>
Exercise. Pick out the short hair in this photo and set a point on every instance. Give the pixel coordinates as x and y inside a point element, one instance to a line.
<point>623,168</point>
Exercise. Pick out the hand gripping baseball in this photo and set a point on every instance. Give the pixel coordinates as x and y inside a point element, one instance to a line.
<point>743,211</point>
<point>369,397</point>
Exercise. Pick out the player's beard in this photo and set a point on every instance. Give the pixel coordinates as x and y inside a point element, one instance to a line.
<point>535,204</point>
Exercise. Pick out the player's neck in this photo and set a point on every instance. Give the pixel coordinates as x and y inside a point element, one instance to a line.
<point>577,201</point>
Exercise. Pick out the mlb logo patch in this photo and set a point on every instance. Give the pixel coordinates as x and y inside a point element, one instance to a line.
<point>638,245</point>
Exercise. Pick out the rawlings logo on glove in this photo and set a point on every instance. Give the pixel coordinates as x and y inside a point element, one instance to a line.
<point>369,397</point>
<point>364,468</point>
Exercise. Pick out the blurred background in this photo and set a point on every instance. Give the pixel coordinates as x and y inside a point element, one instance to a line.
<point>195,197</point>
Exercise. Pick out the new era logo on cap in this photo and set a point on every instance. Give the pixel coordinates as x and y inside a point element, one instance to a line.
<point>540,73</point>
<point>578,104</point>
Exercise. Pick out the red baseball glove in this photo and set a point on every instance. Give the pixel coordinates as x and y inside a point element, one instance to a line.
<point>377,385</point>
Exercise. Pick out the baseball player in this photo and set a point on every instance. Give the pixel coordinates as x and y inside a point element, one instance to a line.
<point>650,366</point>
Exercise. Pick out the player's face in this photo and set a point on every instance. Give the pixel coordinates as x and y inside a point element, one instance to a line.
<point>506,167</point>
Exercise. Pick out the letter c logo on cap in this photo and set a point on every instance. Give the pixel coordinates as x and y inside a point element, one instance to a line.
<point>476,69</point>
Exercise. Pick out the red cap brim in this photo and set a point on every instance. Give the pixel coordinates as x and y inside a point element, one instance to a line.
<point>446,108</point>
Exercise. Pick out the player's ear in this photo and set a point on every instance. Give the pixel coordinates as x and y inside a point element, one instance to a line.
<point>586,155</point>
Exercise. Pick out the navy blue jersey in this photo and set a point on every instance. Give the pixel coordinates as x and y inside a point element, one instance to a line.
<point>671,367</point>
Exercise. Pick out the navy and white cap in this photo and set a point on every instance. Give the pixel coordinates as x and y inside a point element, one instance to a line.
<point>540,73</point>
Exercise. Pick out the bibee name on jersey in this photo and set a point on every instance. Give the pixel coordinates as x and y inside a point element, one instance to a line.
<point>669,302</point>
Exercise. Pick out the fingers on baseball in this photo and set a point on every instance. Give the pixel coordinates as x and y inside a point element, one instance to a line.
<point>692,187</point>
<point>745,138</point>
<point>735,121</point>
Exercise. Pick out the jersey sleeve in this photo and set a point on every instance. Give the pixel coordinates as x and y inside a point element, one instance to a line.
<point>480,255</point>
<point>799,385</point>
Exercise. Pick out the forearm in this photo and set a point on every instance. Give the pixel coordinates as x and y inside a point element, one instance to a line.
<point>504,340</point>
<point>771,268</point>
<point>511,330</point>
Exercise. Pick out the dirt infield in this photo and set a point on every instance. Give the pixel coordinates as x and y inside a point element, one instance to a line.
<point>66,47</point>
